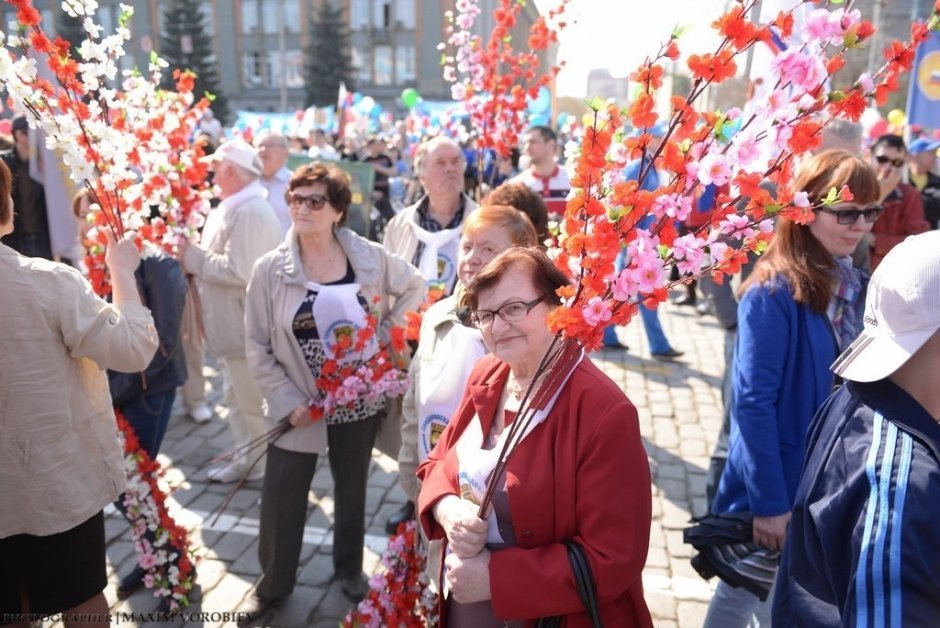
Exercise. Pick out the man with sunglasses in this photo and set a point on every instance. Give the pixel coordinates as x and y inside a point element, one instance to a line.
<point>903,213</point>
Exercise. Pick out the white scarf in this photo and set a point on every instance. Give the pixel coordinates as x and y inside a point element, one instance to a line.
<point>442,383</point>
<point>439,258</point>
<point>338,313</point>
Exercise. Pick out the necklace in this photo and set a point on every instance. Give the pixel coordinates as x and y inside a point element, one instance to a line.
<point>518,390</point>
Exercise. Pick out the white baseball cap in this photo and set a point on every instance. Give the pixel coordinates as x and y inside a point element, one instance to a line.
<point>239,152</point>
<point>902,310</point>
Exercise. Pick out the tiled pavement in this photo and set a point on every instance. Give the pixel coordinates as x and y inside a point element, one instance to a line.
<point>680,413</point>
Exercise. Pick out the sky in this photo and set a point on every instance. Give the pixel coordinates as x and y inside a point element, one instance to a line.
<point>619,34</point>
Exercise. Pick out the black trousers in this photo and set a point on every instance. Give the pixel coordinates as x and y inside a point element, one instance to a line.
<point>284,492</point>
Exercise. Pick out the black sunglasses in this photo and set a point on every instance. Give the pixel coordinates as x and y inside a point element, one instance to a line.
<point>897,162</point>
<point>850,216</point>
<point>313,202</point>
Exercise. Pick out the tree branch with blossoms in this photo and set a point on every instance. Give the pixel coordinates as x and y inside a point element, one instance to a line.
<point>731,150</point>
<point>128,146</point>
<point>606,212</point>
<point>162,546</point>
<point>493,79</point>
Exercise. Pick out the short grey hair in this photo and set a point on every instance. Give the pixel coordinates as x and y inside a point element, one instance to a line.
<point>430,146</point>
<point>280,138</point>
<point>842,134</point>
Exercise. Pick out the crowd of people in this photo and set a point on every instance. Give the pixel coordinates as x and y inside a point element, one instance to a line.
<point>278,267</point>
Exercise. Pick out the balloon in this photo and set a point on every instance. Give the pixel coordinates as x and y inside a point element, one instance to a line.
<point>878,129</point>
<point>421,107</point>
<point>366,105</point>
<point>869,117</point>
<point>356,98</point>
<point>897,117</point>
<point>409,97</point>
<point>538,119</point>
<point>542,102</point>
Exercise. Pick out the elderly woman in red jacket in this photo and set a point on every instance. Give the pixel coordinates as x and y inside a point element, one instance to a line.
<point>580,474</point>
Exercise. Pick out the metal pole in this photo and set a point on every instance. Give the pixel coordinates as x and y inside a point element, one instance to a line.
<point>281,47</point>
<point>873,47</point>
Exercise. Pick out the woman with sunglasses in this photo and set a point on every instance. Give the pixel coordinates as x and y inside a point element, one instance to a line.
<point>579,474</point>
<point>322,277</point>
<point>801,306</point>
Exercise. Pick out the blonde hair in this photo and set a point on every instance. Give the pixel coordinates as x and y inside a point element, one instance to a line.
<point>516,224</point>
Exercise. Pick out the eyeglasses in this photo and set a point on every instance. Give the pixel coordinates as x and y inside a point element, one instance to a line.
<point>850,216</point>
<point>897,162</point>
<point>510,312</point>
<point>314,202</point>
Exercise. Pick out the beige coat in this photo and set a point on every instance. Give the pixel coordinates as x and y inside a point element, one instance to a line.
<point>399,236</point>
<point>60,462</point>
<point>223,265</point>
<point>438,321</point>
<point>276,291</point>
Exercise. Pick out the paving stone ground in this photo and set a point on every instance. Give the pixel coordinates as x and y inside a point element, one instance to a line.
<point>680,414</point>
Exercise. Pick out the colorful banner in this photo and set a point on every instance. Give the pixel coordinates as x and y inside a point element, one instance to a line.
<point>923,97</point>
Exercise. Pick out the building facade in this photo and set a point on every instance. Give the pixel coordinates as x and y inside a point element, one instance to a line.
<point>259,44</point>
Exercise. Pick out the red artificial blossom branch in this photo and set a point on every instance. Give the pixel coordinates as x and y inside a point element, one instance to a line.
<point>163,548</point>
<point>731,150</point>
<point>493,79</point>
<point>398,596</point>
<point>345,380</point>
<point>413,319</point>
<point>125,140</point>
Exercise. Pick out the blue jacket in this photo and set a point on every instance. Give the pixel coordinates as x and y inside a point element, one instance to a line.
<point>861,549</point>
<point>780,378</point>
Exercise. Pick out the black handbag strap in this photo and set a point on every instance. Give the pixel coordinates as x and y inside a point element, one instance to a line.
<point>584,581</point>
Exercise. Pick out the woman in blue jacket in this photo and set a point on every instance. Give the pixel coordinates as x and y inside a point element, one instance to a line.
<point>799,308</point>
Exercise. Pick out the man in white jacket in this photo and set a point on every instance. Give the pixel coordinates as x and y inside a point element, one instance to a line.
<point>239,231</point>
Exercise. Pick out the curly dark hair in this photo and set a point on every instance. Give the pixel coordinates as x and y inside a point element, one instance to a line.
<point>530,203</point>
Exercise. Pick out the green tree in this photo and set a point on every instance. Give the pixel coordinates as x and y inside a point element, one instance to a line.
<point>185,45</point>
<point>328,61</point>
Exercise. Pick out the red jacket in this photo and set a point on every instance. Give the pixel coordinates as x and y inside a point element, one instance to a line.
<point>903,216</point>
<point>583,475</point>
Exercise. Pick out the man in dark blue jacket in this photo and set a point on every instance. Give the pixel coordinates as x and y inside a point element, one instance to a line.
<point>861,549</point>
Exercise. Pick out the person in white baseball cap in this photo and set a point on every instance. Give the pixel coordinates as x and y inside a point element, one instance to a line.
<point>902,311</point>
<point>861,546</point>
<point>238,152</point>
<point>240,230</point>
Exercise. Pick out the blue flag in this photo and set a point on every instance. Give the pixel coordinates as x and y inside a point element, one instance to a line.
<point>923,99</point>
